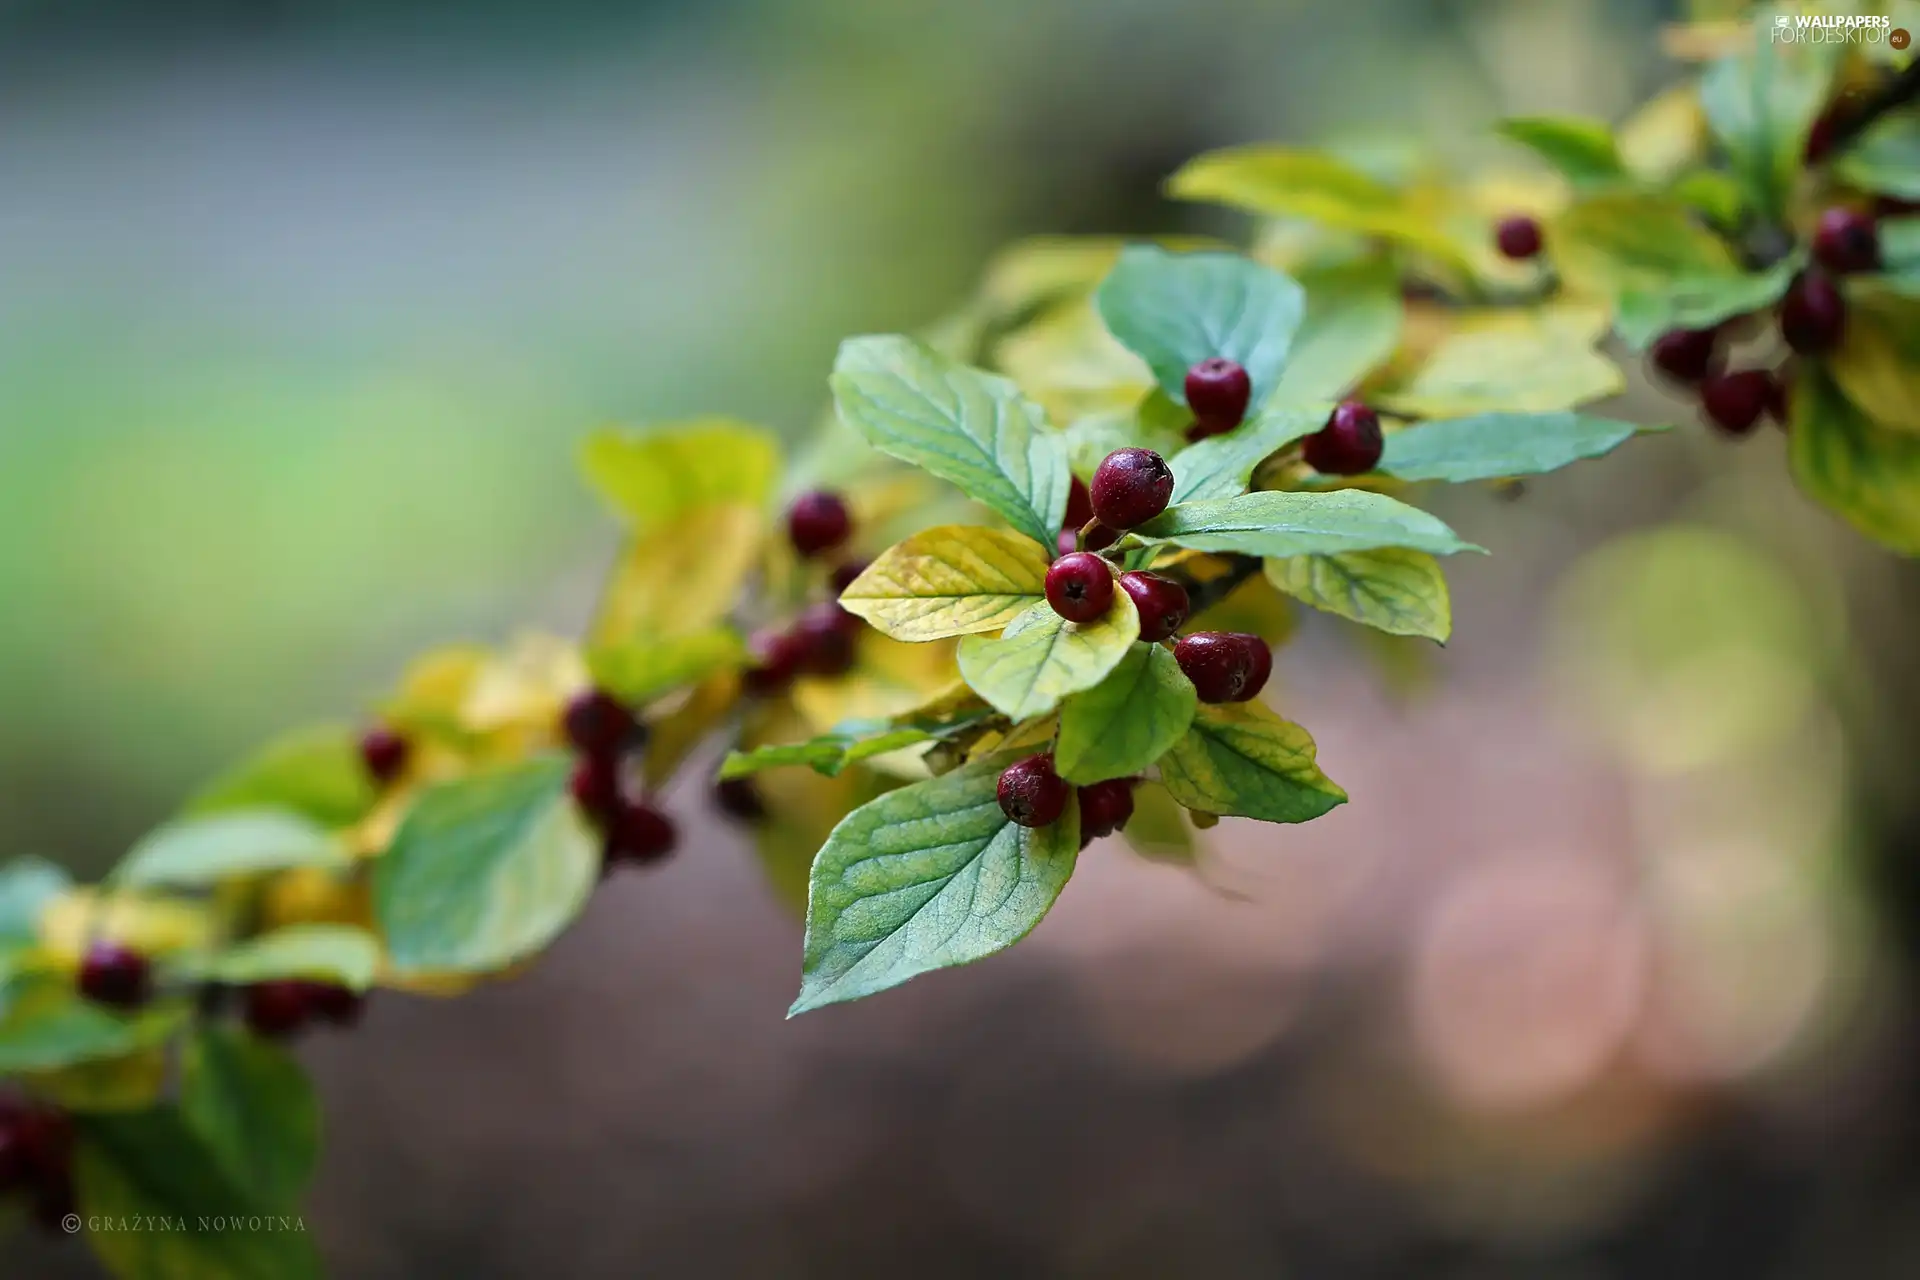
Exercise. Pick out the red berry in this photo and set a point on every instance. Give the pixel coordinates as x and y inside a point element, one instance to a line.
<point>825,634</point>
<point>842,577</point>
<point>1079,505</point>
<point>1100,536</point>
<point>1225,666</point>
<point>1686,355</point>
<point>1131,487</point>
<point>1846,240</point>
<point>1161,602</point>
<point>1218,391</point>
<point>45,1140</point>
<point>818,521</point>
<point>1031,793</point>
<point>739,798</point>
<point>595,785</point>
<point>1105,807</point>
<point>1518,237</point>
<point>641,834</point>
<point>1349,445</point>
<point>776,661</point>
<point>278,1009</point>
<point>114,975</point>
<point>1198,431</point>
<point>384,754</point>
<point>1080,586</point>
<point>1735,401</point>
<point>597,723</point>
<point>342,1006</point>
<point>1813,315</point>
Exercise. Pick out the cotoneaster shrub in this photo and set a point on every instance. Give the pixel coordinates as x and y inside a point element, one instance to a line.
<point>1019,594</point>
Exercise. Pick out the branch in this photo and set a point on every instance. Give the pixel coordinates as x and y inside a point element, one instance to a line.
<point>1202,596</point>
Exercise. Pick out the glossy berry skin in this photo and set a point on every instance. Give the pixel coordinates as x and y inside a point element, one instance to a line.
<point>1161,602</point>
<point>278,1009</point>
<point>1349,445</point>
<point>1079,506</point>
<point>1225,666</point>
<point>1080,587</point>
<point>1685,355</point>
<point>116,976</point>
<point>1131,487</point>
<point>1517,237</point>
<point>1734,401</point>
<point>1845,241</point>
<point>776,661</point>
<point>818,521</point>
<point>597,723</point>
<point>825,633</point>
<point>842,577</point>
<point>1031,793</point>
<point>739,799</point>
<point>341,1006</point>
<point>1813,315</point>
<point>384,754</point>
<point>1105,807</point>
<point>641,834</point>
<point>595,785</point>
<point>1218,391</point>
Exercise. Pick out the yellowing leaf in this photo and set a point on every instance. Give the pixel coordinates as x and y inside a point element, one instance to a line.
<point>1878,361</point>
<point>680,579</point>
<point>150,925</point>
<point>1486,367</point>
<point>1042,657</point>
<point>1158,830</point>
<point>523,685</point>
<point>888,678</point>
<point>312,895</point>
<point>638,672</point>
<point>1255,606</point>
<point>1664,136</point>
<point>950,581</point>
<point>433,690</point>
<point>673,736</point>
<point>1869,475</point>
<point>1632,240</point>
<point>1399,591</point>
<point>124,1083</point>
<point>1240,758</point>
<point>651,477</point>
<point>1068,362</point>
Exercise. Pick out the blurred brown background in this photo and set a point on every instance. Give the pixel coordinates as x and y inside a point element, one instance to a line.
<point>1606,971</point>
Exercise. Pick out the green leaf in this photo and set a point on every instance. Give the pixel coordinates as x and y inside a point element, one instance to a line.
<point>1530,362</point>
<point>645,668</point>
<point>195,852</point>
<point>1222,466</point>
<point>132,1170</point>
<point>652,476</point>
<point>951,581</point>
<point>1761,105</point>
<point>49,1026</point>
<point>1241,759</point>
<point>1878,361</point>
<point>316,773</point>
<point>26,885</point>
<point>1159,830</point>
<point>130,1082</point>
<point>1869,475</point>
<point>1041,657</point>
<point>926,877</point>
<point>1174,310</point>
<point>253,1107</point>
<point>1394,590</point>
<point>1715,196</point>
<point>1351,328</point>
<point>1622,240</point>
<point>970,428</point>
<point>1699,302</point>
<point>485,870</point>
<point>1298,524</point>
<point>1156,423</point>
<point>1582,150</point>
<point>343,954</point>
<point>826,755</point>
<point>1495,446</point>
<point>1123,724</point>
<point>1886,158</point>
<point>1900,254</point>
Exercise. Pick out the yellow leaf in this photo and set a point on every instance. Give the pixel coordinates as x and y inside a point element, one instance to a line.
<point>1531,361</point>
<point>680,579</point>
<point>1071,366</point>
<point>1393,589</point>
<point>1633,240</point>
<point>888,678</point>
<point>314,895</point>
<point>524,685</point>
<point>672,737</point>
<point>1878,361</point>
<point>1664,136</point>
<point>650,478</point>
<point>1033,733</point>
<point>950,581</point>
<point>433,689</point>
<point>126,1083</point>
<point>1255,606</point>
<point>150,925</point>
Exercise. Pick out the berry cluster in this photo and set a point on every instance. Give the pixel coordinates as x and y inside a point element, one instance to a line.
<point>1033,795</point>
<point>121,978</point>
<point>820,642</point>
<point>605,735</point>
<point>36,1160</point>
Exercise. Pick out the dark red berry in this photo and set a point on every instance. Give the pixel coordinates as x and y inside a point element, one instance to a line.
<point>1079,505</point>
<point>739,798</point>
<point>597,723</point>
<point>1846,240</point>
<point>641,834</point>
<point>342,1006</point>
<point>1131,487</point>
<point>1080,586</point>
<point>1225,666</point>
<point>1518,237</point>
<point>826,635</point>
<point>842,577</point>
<point>1734,401</point>
<point>595,785</point>
<point>15,1164</point>
<point>1105,807</point>
<point>1813,315</point>
<point>776,661</point>
<point>818,521</point>
<point>278,1009</point>
<point>1031,793</point>
<point>114,975</point>
<point>1218,391</point>
<point>1686,355</point>
<point>1161,603</point>
<point>1349,445</point>
<point>1099,536</point>
<point>384,754</point>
